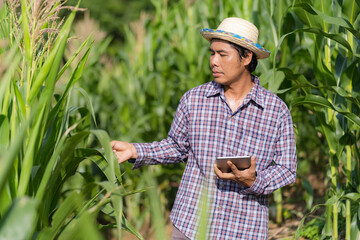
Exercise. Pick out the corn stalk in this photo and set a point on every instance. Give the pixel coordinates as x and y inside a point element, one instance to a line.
<point>47,187</point>
<point>335,103</point>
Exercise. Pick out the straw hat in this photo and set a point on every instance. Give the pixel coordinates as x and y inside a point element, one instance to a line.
<point>240,32</point>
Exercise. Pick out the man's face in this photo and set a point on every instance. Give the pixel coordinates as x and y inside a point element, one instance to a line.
<point>225,63</point>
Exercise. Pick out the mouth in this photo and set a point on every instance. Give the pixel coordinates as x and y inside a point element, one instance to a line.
<point>216,74</point>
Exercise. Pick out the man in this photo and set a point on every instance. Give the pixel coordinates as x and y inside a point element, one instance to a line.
<point>232,115</point>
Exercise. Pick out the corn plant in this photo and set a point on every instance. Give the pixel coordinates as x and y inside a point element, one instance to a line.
<point>47,187</point>
<point>331,39</point>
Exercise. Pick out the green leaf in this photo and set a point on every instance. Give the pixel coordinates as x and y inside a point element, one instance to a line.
<point>336,37</point>
<point>78,71</point>
<point>155,206</point>
<point>26,32</point>
<point>323,102</point>
<point>128,227</point>
<point>83,227</point>
<point>114,169</point>
<point>334,199</point>
<point>330,134</point>
<point>62,214</point>
<point>310,193</point>
<point>7,159</point>
<point>19,100</point>
<point>299,229</point>
<point>18,223</point>
<point>4,132</point>
<point>99,160</point>
<point>353,196</point>
<point>330,20</point>
<point>31,149</point>
<point>272,79</point>
<point>355,227</point>
<point>53,161</point>
<point>117,203</point>
<point>88,103</point>
<point>67,64</point>
<point>11,62</point>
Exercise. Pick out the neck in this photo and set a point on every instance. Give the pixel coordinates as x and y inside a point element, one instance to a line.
<point>239,89</point>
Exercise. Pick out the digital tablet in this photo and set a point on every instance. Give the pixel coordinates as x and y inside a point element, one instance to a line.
<point>241,162</point>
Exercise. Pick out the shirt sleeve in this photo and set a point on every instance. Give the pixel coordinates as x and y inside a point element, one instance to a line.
<point>173,149</point>
<point>283,170</point>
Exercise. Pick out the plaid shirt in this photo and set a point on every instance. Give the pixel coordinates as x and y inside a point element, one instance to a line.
<point>205,127</point>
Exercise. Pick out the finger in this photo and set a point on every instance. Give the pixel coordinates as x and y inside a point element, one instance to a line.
<point>113,145</point>
<point>121,157</point>
<point>234,169</point>
<point>253,162</point>
<point>117,145</point>
<point>222,175</point>
<point>217,171</point>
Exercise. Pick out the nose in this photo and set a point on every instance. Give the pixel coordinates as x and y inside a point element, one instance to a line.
<point>214,60</point>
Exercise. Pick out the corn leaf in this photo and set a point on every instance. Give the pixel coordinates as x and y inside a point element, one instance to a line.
<point>355,227</point>
<point>31,149</point>
<point>155,207</point>
<point>114,170</point>
<point>62,214</point>
<point>78,71</point>
<point>96,157</point>
<point>313,209</point>
<point>88,103</point>
<point>26,32</point>
<point>323,102</point>
<point>72,58</point>
<point>18,222</point>
<point>128,227</point>
<point>329,19</point>
<point>83,227</point>
<point>54,159</point>
<point>117,203</point>
<point>7,159</point>
<point>4,132</point>
<point>11,62</point>
<point>353,196</point>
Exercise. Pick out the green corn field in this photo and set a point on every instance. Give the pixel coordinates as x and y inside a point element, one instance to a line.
<point>75,75</point>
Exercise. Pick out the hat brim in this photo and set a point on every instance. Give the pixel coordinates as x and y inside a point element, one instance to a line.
<point>256,48</point>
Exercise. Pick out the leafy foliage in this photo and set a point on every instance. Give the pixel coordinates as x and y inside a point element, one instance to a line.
<point>44,138</point>
<point>133,93</point>
<point>314,68</point>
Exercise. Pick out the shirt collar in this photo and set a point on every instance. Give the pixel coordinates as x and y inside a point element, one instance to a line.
<point>255,93</point>
<point>215,89</point>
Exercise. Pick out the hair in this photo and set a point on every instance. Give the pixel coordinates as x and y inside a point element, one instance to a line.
<point>243,52</point>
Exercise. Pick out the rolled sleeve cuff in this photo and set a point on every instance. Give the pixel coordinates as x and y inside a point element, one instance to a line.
<point>256,188</point>
<point>140,152</point>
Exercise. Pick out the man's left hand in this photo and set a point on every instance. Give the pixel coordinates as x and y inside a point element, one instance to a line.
<point>244,177</point>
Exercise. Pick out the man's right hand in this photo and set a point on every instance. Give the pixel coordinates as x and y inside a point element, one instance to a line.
<point>123,151</point>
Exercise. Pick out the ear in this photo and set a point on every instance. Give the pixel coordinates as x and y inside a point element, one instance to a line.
<point>247,58</point>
